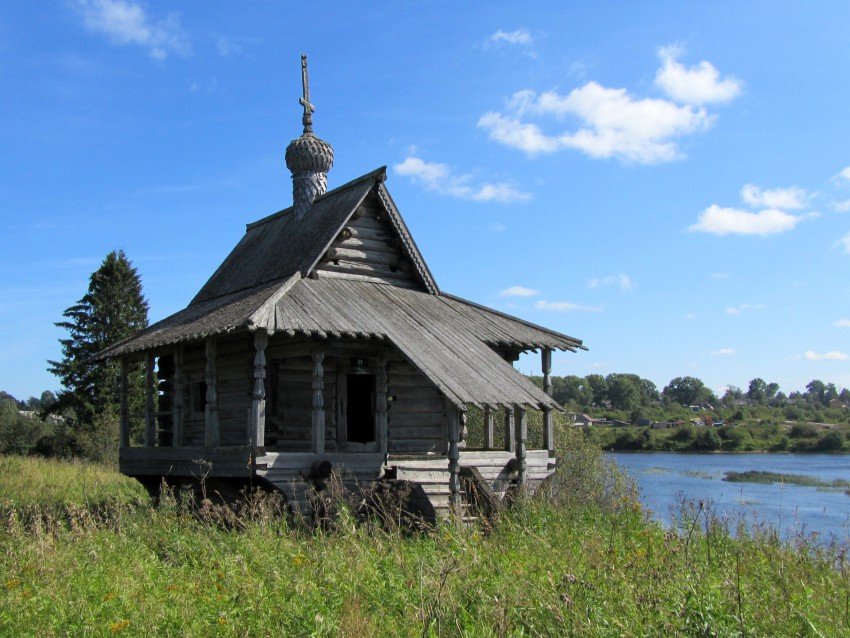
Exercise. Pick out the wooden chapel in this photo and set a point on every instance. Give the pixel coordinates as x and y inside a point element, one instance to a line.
<point>324,338</point>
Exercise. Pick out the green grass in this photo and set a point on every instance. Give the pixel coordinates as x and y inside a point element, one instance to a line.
<point>26,481</point>
<point>586,562</point>
<point>755,476</point>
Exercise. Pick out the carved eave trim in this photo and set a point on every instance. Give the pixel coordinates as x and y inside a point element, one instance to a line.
<point>409,246</point>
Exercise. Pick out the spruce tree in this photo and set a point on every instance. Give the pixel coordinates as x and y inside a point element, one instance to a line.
<point>113,309</point>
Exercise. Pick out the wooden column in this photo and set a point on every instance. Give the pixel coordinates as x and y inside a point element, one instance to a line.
<point>454,424</point>
<point>521,419</point>
<point>211,432</point>
<point>124,424</point>
<point>381,404</point>
<point>318,403</point>
<point>488,428</point>
<point>150,417</point>
<point>510,443</point>
<point>257,434</point>
<point>177,407</point>
<point>548,423</point>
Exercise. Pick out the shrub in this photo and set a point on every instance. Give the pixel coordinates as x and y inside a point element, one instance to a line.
<point>803,431</point>
<point>831,442</point>
<point>707,439</point>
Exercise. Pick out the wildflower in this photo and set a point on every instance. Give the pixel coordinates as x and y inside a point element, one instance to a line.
<point>119,626</point>
<point>221,620</point>
<point>171,587</point>
<point>13,583</point>
<point>108,596</point>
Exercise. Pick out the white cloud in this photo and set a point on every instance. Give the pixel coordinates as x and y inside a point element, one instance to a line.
<point>518,291</point>
<point>843,175</point>
<point>497,227</point>
<point>438,178</point>
<point>832,355</point>
<point>612,124</point>
<point>623,281</point>
<point>744,306</point>
<point>228,47</point>
<point>842,323</point>
<point>700,84</point>
<point>125,22</point>
<point>520,36</point>
<point>781,198</point>
<point>845,242</point>
<point>718,220</point>
<point>723,352</point>
<point>564,306</point>
<point>842,206</point>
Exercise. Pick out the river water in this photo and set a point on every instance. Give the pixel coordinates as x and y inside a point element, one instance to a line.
<point>665,479</point>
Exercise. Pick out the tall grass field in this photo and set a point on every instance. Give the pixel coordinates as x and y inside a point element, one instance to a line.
<point>85,553</point>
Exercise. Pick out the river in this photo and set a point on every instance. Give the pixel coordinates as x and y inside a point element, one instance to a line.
<point>667,478</point>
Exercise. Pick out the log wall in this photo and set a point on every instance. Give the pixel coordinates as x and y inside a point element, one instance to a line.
<point>368,249</point>
<point>415,412</point>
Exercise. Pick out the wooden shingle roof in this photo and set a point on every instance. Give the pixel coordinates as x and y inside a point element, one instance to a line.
<point>269,281</point>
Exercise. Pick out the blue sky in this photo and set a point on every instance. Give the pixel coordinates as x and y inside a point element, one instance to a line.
<point>668,181</point>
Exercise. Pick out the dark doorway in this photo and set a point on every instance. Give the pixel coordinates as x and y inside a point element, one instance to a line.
<point>360,417</point>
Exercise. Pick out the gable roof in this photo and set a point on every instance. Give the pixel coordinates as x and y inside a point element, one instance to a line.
<point>270,281</point>
<point>278,246</point>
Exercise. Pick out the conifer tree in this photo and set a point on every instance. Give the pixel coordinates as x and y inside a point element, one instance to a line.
<point>113,309</point>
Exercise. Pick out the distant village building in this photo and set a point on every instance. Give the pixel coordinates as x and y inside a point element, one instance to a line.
<point>323,341</point>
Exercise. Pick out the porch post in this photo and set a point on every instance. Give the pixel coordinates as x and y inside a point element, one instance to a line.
<point>124,424</point>
<point>488,428</point>
<point>177,408</point>
<point>257,433</point>
<point>150,417</point>
<point>510,443</point>
<point>453,426</point>
<point>521,418</point>
<point>211,433</point>
<point>548,424</point>
<point>318,403</point>
<point>381,404</point>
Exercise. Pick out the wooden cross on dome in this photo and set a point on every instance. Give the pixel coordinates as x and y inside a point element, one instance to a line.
<point>307,118</point>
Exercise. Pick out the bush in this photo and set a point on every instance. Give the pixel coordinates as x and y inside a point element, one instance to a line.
<point>685,434</point>
<point>803,431</point>
<point>831,442</point>
<point>707,439</point>
<point>19,433</point>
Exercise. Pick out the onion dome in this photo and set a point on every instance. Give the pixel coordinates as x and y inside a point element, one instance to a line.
<point>308,157</point>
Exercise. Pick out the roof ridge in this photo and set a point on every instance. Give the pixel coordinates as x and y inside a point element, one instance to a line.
<point>379,173</point>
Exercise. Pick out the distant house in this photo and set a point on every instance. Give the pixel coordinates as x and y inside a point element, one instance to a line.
<point>838,403</point>
<point>584,420</point>
<point>323,341</point>
<point>643,422</point>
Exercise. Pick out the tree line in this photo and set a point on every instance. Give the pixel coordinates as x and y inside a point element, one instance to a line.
<point>635,396</point>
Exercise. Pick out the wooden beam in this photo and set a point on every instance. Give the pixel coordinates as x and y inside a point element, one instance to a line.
<point>257,434</point>
<point>318,403</point>
<point>177,407</point>
<point>488,428</point>
<point>150,417</point>
<point>124,424</point>
<point>381,404</point>
<point>454,416</point>
<point>211,429</point>
<point>510,442</point>
<point>521,420</point>
<point>548,422</point>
